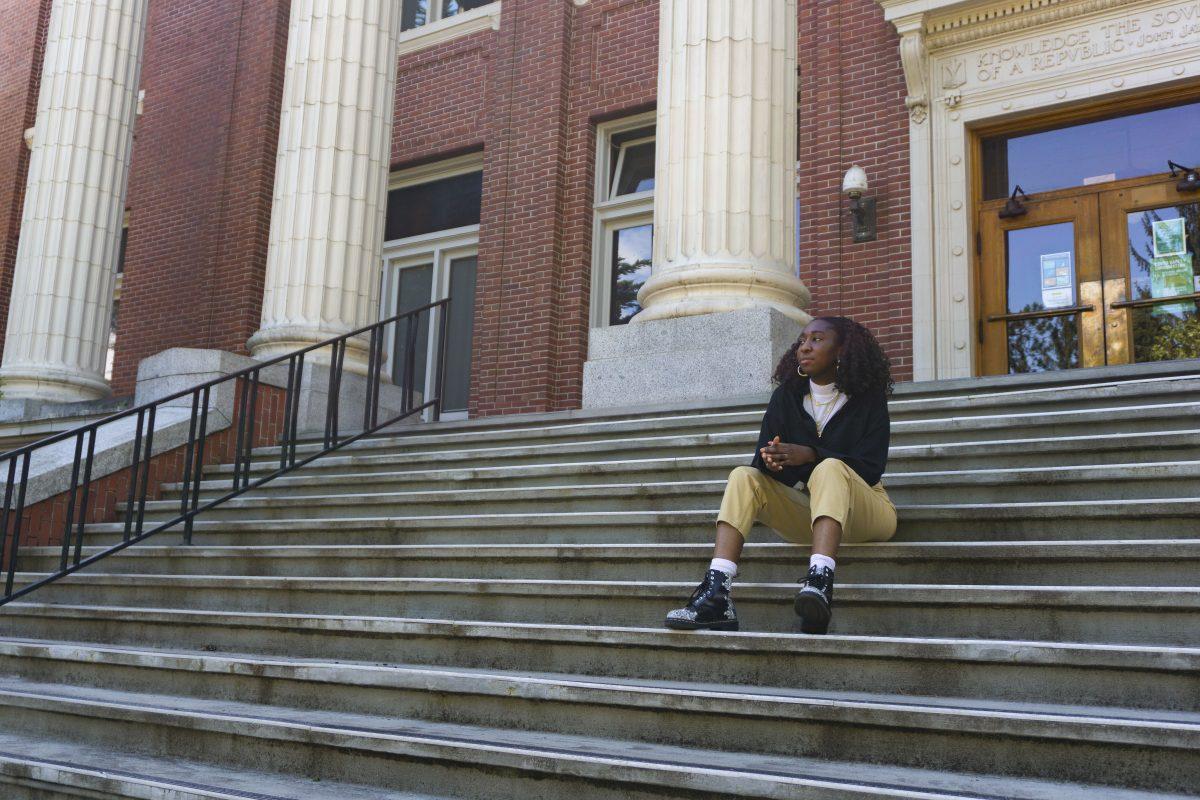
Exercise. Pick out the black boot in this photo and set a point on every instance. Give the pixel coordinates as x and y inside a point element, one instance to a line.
<point>710,607</point>
<point>814,601</point>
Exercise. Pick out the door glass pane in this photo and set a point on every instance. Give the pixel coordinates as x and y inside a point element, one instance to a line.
<point>1164,261</point>
<point>632,248</point>
<point>416,290</point>
<point>1110,149</point>
<point>1041,277</point>
<point>460,329</point>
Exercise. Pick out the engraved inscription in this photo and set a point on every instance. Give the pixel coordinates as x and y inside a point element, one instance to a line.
<point>1167,27</point>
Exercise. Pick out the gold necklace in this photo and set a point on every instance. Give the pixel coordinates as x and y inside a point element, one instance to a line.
<point>822,417</point>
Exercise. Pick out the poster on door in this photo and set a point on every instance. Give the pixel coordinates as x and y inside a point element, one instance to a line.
<point>1058,280</point>
<point>1171,276</point>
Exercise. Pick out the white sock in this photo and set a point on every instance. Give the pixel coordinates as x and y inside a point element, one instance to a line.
<point>821,561</point>
<point>724,565</point>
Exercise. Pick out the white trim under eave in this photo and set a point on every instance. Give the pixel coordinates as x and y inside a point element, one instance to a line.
<point>451,28</point>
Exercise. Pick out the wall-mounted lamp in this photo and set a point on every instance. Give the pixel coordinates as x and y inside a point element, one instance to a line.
<point>862,209</point>
<point>1189,178</point>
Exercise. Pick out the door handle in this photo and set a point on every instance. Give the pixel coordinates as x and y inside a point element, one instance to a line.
<point>1057,312</point>
<point>1154,301</point>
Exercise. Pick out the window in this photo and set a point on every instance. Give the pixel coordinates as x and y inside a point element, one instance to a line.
<point>431,252</point>
<point>624,219</point>
<point>415,13</point>
<point>1128,146</point>
<point>118,281</point>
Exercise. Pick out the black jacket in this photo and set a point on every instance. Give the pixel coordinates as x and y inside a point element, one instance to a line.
<point>857,434</point>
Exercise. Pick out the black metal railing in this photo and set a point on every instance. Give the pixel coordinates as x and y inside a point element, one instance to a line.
<point>265,406</point>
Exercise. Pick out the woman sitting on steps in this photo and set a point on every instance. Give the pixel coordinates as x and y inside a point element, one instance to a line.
<point>827,427</point>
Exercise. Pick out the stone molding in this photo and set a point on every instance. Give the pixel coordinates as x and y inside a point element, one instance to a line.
<point>486,18</point>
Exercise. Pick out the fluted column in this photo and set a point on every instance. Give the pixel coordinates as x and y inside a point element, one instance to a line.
<point>61,302</point>
<point>331,175</point>
<point>724,204</point>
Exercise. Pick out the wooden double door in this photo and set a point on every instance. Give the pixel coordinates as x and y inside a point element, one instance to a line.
<point>1087,277</point>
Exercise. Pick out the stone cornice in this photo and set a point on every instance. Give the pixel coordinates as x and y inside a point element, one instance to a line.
<point>951,22</point>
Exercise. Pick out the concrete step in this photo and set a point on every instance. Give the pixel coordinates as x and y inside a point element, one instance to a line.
<point>997,454</point>
<point>1145,615</point>
<point>454,759</point>
<point>1120,675</point>
<point>40,768</point>
<point>1162,518</point>
<point>998,448</point>
<point>945,733</point>
<point>1153,562</point>
<point>904,408</point>
<point>1113,482</point>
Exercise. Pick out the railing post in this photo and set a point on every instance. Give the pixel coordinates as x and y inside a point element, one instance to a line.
<point>189,451</point>
<point>241,389</point>
<point>294,413</point>
<point>369,402</point>
<point>443,330</point>
<point>87,487</point>
<point>68,523</point>
<point>4,535</point>
<point>149,451</point>
<point>198,472</point>
<point>135,463</point>
<point>16,533</point>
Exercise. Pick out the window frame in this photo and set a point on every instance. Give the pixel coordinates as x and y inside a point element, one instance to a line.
<point>610,213</point>
<point>445,29</point>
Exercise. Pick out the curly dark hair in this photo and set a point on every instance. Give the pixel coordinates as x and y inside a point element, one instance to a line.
<point>863,368</point>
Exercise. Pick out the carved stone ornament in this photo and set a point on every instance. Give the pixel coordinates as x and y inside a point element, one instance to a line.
<point>954,74</point>
<point>914,57</point>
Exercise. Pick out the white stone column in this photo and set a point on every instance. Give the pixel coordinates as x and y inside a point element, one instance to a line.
<point>331,175</point>
<point>724,205</point>
<point>61,301</point>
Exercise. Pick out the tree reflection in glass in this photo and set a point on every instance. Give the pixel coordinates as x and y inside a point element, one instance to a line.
<point>1165,331</point>
<point>632,248</point>
<point>1042,344</point>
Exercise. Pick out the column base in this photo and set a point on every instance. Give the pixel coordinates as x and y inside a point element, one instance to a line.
<point>282,340</point>
<point>22,382</point>
<point>711,356</point>
<point>689,290</point>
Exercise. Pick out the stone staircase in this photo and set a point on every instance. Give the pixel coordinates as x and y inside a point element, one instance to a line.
<point>473,610</point>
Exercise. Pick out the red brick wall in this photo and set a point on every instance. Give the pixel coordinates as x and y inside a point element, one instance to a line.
<point>557,70</point>
<point>852,112</point>
<point>202,177</point>
<point>22,39</point>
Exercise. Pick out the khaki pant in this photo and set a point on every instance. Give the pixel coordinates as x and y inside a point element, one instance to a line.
<point>834,490</point>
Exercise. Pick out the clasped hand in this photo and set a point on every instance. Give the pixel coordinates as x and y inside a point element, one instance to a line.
<point>777,455</point>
